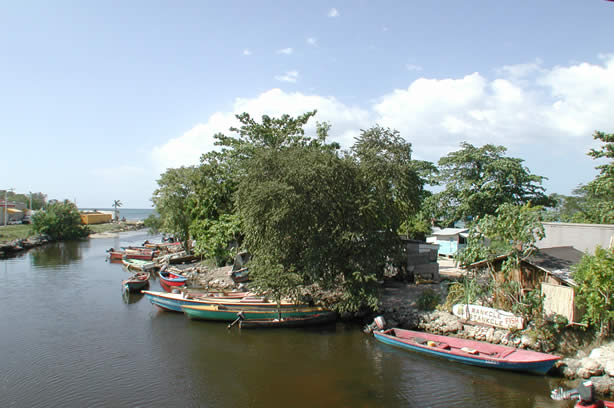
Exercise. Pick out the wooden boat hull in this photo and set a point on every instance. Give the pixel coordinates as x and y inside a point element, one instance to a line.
<point>137,282</point>
<point>229,314</point>
<point>462,351</point>
<point>171,279</point>
<point>174,301</point>
<point>116,255</point>
<point>138,265</point>
<point>289,322</point>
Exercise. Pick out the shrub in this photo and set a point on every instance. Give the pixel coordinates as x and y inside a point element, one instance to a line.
<point>595,277</point>
<point>428,300</point>
<point>60,221</point>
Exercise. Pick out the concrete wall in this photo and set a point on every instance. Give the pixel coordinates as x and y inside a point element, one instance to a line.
<point>583,237</point>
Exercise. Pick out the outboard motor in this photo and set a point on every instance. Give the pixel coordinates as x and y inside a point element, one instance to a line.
<point>584,394</point>
<point>378,324</point>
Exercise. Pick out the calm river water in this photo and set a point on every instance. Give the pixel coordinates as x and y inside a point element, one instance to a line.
<point>69,338</point>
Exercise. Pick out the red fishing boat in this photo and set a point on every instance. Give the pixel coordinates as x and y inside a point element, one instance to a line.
<point>471,352</point>
<point>172,279</point>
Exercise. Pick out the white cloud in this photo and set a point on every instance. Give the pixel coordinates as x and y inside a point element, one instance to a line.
<point>518,71</point>
<point>290,76</point>
<point>526,107</point>
<point>312,41</point>
<point>186,149</point>
<point>527,104</point>
<point>247,52</point>
<point>333,12</point>
<point>286,51</point>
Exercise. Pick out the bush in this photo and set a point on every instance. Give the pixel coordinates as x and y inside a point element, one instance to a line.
<point>595,277</point>
<point>60,221</point>
<point>428,300</point>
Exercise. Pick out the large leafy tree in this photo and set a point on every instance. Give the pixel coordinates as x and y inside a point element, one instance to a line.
<point>592,203</point>
<point>60,221</point>
<point>175,202</point>
<point>599,194</point>
<point>314,215</point>
<point>477,180</point>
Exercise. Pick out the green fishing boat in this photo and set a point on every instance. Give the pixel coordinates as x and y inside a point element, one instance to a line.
<point>229,313</point>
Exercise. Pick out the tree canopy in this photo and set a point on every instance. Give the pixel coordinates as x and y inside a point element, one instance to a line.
<point>60,221</point>
<point>591,203</point>
<point>175,202</point>
<point>311,215</point>
<point>477,180</point>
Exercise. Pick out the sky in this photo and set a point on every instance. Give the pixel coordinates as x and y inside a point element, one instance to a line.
<point>97,99</point>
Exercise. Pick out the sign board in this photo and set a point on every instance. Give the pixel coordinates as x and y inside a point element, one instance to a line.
<point>489,316</point>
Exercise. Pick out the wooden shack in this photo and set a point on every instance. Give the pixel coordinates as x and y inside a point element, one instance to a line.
<point>550,270</point>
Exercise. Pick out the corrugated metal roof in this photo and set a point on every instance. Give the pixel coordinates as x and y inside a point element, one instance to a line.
<point>450,231</point>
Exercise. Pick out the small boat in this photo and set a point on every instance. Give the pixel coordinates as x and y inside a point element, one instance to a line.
<point>138,264</point>
<point>471,352</point>
<point>311,320</point>
<point>584,394</point>
<point>229,313</point>
<point>239,276</point>
<point>173,301</point>
<point>144,254</point>
<point>136,282</point>
<point>161,245</point>
<point>172,279</point>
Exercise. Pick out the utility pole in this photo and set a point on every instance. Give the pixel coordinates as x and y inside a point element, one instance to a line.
<point>6,204</point>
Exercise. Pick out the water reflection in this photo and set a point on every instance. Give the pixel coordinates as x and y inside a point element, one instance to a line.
<point>56,254</point>
<point>131,297</point>
<point>71,338</point>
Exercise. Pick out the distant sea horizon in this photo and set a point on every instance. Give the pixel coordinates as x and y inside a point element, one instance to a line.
<point>130,214</point>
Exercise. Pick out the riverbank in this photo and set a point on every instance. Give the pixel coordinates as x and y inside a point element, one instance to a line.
<point>18,238</point>
<point>582,357</point>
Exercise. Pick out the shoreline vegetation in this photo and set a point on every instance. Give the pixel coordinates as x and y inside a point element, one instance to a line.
<point>17,238</point>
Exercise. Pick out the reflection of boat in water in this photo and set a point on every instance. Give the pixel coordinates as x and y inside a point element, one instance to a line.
<point>131,297</point>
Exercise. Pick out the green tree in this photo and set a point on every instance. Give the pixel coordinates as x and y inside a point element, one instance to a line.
<point>477,180</point>
<point>116,205</point>
<point>60,221</point>
<point>175,201</point>
<point>595,278</point>
<point>328,218</point>
<point>153,223</point>
<point>512,231</point>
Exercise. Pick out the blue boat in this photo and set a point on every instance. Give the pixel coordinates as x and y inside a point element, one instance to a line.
<point>470,352</point>
<point>173,301</point>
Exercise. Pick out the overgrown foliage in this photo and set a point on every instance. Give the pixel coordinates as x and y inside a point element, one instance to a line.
<point>153,223</point>
<point>60,221</point>
<point>595,277</point>
<point>513,230</point>
<point>477,180</point>
<point>175,202</point>
<point>428,300</point>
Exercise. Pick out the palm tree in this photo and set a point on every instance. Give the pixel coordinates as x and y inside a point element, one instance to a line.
<point>116,205</point>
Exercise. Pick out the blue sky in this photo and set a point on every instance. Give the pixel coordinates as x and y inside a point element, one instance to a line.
<point>98,98</point>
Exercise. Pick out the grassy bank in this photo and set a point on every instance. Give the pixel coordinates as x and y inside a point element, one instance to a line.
<point>18,231</point>
<point>23,231</point>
